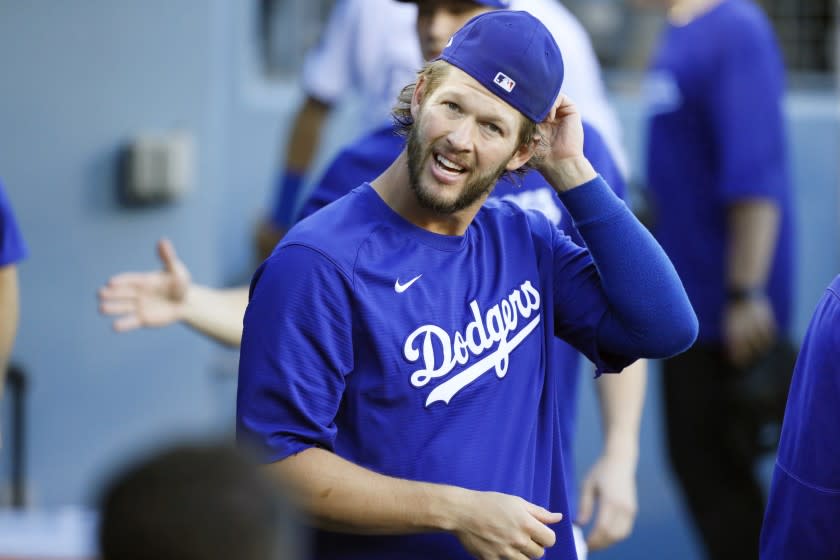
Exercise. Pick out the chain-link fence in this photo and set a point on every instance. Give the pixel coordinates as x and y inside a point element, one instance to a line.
<point>623,34</point>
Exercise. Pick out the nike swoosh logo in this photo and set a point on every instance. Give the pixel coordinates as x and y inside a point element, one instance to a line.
<point>400,288</point>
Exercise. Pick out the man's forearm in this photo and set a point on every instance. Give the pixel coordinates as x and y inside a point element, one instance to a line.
<point>305,135</point>
<point>341,496</point>
<point>216,313</point>
<point>622,399</point>
<point>9,310</point>
<point>753,232</point>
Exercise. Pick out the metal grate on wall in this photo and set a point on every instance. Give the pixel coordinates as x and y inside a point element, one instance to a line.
<point>806,31</point>
<point>623,35</point>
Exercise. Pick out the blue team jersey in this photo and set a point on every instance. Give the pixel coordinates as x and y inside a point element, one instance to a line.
<point>804,504</point>
<point>12,246</point>
<point>420,356</point>
<point>367,158</point>
<point>717,136</point>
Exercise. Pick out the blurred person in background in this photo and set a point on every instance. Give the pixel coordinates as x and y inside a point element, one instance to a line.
<point>717,168</point>
<point>197,502</point>
<point>608,497</point>
<point>365,48</point>
<point>370,47</point>
<point>12,251</point>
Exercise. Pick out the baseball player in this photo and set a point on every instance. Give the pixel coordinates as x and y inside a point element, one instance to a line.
<point>370,47</point>
<point>401,376</point>
<point>719,177</point>
<point>610,483</point>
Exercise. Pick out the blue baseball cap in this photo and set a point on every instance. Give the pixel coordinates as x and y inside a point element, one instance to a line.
<point>514,56</point>
<point>491,3</point>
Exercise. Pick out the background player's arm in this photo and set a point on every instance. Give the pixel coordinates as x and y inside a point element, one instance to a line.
<point>9,311</point>
<point>300,151</point>
<point>306,134</point>
<point>160,298</point>
<point>749,326</point>
<point>611,482</point>
<point>341,496</point>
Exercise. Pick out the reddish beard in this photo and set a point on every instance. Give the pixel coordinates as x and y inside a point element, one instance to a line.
<point>473,189</point>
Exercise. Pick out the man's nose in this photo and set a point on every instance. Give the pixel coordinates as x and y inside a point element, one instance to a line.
<point>461,135</point>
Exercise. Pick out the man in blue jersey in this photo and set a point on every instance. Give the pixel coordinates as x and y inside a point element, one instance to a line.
<point>718,172</point>
<point>395,359</point>
<point>12,251</point>
<point>608,491</point>
<point>804,505</point>
<point>609,487</point>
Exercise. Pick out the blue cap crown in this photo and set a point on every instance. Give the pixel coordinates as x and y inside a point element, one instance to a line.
<point>514,56</point>
<point>491,3</point>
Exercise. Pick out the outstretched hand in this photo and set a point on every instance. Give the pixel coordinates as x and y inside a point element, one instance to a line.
<point>147,299</point>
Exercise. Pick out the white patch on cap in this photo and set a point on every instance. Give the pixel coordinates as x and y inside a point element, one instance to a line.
<point>450,41</point>
<point>504,81</point>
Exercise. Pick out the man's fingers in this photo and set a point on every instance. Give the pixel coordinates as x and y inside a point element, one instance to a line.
<point>531,549</point>
<point>127,323</point>
<point>586,503</point>
<point>543,515</point>
<point>612,524</point>
<point>135,280</point>
<point>117,293</point>
<point>166,252</point>
<point>116,307</point>
<point>541,534</point>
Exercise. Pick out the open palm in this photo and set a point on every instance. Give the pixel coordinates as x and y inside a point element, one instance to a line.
<point>147,299</point>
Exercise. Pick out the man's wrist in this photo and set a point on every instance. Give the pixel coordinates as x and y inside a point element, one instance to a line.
<point>741,294</point>
<point>568,173</point>
<point>623,448</point>
<point>440,510</point>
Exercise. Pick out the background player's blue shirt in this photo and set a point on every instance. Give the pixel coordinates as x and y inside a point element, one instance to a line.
<point>717,136</point>
<point>804,504</point>
<point>12,246</point>
<point>371,155</point>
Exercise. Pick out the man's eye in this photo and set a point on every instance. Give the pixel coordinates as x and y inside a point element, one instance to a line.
<point>493,128</point>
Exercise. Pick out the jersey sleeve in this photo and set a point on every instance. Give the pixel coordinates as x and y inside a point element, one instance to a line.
<point>623,299</point>
<point>745,106</point>
<point>296,351</point>
<point>804,499</point>
<point>579,302</point>
<point>328,68</point>
<point>12,246</point>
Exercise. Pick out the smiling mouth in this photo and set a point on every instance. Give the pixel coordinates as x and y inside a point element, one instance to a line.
<point>447,165</point>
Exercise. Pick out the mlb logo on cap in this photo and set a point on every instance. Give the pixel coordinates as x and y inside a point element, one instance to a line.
<point>504,82</point>
<point>514,56</point>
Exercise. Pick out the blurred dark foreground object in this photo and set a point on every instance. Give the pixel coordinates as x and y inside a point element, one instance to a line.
<point>197,502</point>
<point>759,393</point>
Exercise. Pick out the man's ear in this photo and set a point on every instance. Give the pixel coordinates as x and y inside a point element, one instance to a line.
<point>417,97</point>
<point>523,154</point>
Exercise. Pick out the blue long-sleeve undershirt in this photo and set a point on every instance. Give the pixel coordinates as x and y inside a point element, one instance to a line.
<point>650,315</point>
